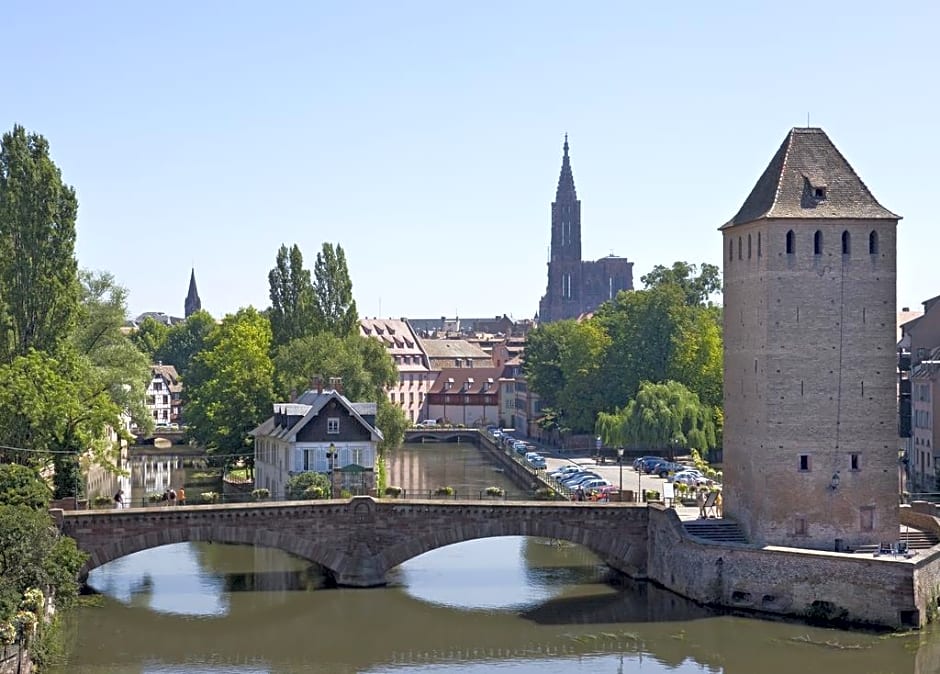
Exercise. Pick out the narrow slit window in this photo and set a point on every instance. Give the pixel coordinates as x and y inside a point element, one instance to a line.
<point>804,462</point>
<point>791,242</point>
<point>846,243</point>
<point>873,243</point>
<point>817,243</point>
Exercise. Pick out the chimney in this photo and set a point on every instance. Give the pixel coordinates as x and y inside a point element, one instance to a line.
<point>318,384</point>
<point>336,383</point>
<point>293,395</point>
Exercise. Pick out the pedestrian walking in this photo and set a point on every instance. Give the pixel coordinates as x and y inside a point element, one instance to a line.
<point>181,496</point>
<point>700,502</point>
<point>172,497</point>
<point>119,499</point>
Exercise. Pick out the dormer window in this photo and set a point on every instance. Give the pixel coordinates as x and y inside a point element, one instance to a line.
<point>819,193</point>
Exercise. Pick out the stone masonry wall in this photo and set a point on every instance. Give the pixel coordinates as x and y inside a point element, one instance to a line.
<point>787,581</point>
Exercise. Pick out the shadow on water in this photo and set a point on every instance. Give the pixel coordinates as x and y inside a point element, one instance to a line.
<point>633,602</point>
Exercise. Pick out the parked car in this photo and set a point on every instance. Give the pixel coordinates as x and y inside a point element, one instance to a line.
<point>559,473</point>
<point>596,483</point>
<point>535,460</point>
<point>579,479</point>
<point>638,463</point>
<point>664,468</point>
<point>647,464</point>
<point>691,477</point>
<point>427,423</point>
<point>520,447</point>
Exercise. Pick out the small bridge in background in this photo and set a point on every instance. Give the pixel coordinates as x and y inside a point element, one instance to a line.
<point>358,541</point>
<point>442,435</point>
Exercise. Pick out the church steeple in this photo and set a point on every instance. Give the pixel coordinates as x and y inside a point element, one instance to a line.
<point>566,191</point>
<point>192,303</point>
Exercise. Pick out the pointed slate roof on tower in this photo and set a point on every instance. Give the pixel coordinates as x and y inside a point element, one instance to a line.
<point>566,191</point>
<point>809,178</point>
<point>192,303</point>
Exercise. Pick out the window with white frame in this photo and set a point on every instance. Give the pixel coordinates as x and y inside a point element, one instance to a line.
<point>332,425</point>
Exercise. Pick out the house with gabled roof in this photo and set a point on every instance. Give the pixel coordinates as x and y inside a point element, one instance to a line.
<point>164,395</point>
<point>323,432</point>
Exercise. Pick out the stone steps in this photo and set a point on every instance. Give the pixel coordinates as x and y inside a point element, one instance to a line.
<point>717,530</point>
<point>915,539</point>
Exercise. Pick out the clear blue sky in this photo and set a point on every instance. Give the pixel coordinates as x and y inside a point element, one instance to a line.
<point>425,137</point>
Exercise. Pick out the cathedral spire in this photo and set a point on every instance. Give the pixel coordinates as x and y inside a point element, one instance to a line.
<point>566,191</point>
<point>192,303</point>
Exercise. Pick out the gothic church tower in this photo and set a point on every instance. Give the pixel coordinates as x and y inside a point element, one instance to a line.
<point>810,438</point>
<point>192,303</point>
<point>563,297</point>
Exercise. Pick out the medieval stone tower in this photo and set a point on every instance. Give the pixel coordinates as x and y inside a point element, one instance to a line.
<point>810,437</point>
<point>576,287</point>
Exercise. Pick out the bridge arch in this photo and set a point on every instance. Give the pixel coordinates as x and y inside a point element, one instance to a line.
<point>317,552</point>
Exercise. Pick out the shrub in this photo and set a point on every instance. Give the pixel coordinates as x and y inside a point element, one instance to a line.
<point>209,496</point>
<point>33,600</point>
<point>394,492</point>
<point>101,501</point>
<point>494,491</point>
<point>314,492</point>
<point>444,491</point>
<point>308,485</point>
<point>546,494</point>
<point>155,497</point>
<point>260,494</point>
<point>7,633</point>
<point>651,495</point>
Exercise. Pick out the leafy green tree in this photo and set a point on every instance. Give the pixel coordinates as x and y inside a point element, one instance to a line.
<point>114,362</point>
<point>38,270</point>
<point>393,423</point>
<point>56,407</point>
<point>292,311</point>
<point>562,364</point>
<point>334,306</point>
<point>184,340</point>
<point>230,385</point>
<point>23,486</point>
<point>697,287</point>
<point>150,336</point>
<point>34,555</point>
<point>662,416</point>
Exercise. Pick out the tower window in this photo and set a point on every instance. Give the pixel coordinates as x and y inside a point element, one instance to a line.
<point>820,193</point>
<point>854,462</point>
<point>791,242</point>
<point>804,463</point>
<point>739,247</point>
<point>730,251</point>
<point>873,243</point>
<point>758,245</point>
<point>817,243</point>
<point>846,243</point>
<point>748,246</point>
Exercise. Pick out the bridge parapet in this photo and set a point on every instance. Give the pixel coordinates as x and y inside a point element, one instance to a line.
<point>359,540</point>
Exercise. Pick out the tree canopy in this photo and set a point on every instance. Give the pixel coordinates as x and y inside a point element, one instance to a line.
<point>334,306</point>
<point>230,385</point>
<point>664,332</point>
<point>293,308</point>
<point>39,288</point>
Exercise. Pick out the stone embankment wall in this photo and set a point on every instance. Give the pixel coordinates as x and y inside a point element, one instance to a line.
<point>13,661</point>
<point>787,581</point>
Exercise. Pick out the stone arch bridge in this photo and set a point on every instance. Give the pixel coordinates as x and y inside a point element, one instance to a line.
<point>358,541</point>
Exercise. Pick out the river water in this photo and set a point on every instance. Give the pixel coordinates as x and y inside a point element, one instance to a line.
<point>507,605</point>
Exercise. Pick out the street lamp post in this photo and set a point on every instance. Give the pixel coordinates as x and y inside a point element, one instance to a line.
<point>639,475</point>
<point>620,461</point>
<point>331,457</point>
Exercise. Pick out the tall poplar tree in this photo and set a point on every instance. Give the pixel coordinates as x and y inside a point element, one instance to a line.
<point>292,297</point>
<point>39,289</point>
<point>335,308</point>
